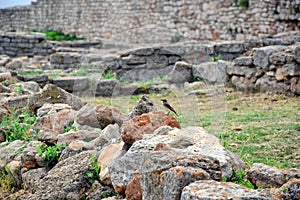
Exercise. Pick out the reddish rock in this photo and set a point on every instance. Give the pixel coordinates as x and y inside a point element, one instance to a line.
<point>134,189</point>
<point>135,128</point>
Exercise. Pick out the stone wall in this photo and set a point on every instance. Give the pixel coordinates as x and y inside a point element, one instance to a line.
<point>156,21</point>
<point>19,44</point>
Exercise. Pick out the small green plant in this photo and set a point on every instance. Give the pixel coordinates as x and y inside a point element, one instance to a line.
<point>244,3</point>
<point>7,181</point>
<point>109,75</point>
<point>106,194</point>
<point>5,83</point>
<point>18,89</point>
<point>17,127</point>
<point>93,175</point>
<point>217,58</point>
<point>58,36</point>
<point>50,154</point>
<point>176,38</point>
<point>68,128</point>
<point>239,177</point>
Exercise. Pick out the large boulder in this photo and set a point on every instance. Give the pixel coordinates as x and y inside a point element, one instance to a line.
<point>134,129</point>
<point>181,72</point>
<point>166,148</point>
<point>211,72</point>
<point>53,94</point>
<point>209,189</point>
<point>72,84</point>
<point>261,56</point>
<point>265,176</point>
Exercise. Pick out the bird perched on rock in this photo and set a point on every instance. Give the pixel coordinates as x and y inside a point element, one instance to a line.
<point>168,107</point>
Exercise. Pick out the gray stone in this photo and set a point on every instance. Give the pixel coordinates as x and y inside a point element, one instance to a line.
<point>290,190</point>
<point>42,80</point>
<point>4,89</point>
<point>243,61</point>
<point>28,157</point>
<point>83,135</point>
<point>147,51</point>
<point>17,103</point>
<point>32,177</point>
<point>52,94</point>
<point>4,76</point>
<point>72,84</point>
<point>11,152</point>
<point>204,190</point>
<point>87,116</point>
<point>261,55</point>
<point>297,54</point>
<point>212,72</point>
<point>182,72</point>
<point>106,87</point>
<point>278,58</point>
<point>292,69</point>
<point>31,86</point>
<point>66,60</point>
<point>230,47</point>
<point>144,105</point>
<point>265,176</point>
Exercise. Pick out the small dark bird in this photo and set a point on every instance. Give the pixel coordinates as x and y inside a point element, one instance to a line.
<point>168,107</point>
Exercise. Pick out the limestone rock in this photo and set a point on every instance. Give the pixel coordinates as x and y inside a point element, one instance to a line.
<point>74,148</point>
<point>135,128</point>
<point>297,54</point>
<point>53,94</point>
<point>144,105</point>
<point>210,189</point>
<point>134,189</point>
<point>28,157</point>
<point>243,61</point>
<point>291,189</point>
<point>4,89</point>
<point>265,176</point>
<point>164,149</point>
<point>261,55</point>
<point>106,87</point>
<point>48,136</point>
<point>72,84</point>
<point>42,80</point>
<point>87,116</point>
<point>109,135</point>
<point>15,170</point>
<point>69,174</point>
<point>10,152</point>
<point>5,76</point>
<point>107,155</point>
<point>65,60</point>
<point>31,177</point>
<point>182,72</point>
<point>212,72</point>
<point>84,135</point>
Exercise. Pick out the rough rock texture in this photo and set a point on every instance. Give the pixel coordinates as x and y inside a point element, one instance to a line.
<point>106,157</point>
<point>144,105</point>
<point>29,155</point>
<point>290,190</point>
<point>53,94</point>
<point>64,60</point>
<point>99,116</point>
<point>84,135</point>
<point>134,189</point>
<point>106,87</point>
<point>135,128</point>
<point>181,72</point>
<point>10,152</point>
<point>211,72</point>
<point>72,84</point>
<point>155,153</point>
<point>266,176</point>
<point>66,180</point>
<point>212,190</point>
<point>74,148</point>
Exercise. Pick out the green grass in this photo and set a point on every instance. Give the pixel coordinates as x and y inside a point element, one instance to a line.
<point>254,127</point>
<point>50,154</point>
<point>18,126</point>
<point>58,36</point>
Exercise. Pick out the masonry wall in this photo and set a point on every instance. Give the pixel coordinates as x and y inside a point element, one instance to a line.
<point>140,21</point>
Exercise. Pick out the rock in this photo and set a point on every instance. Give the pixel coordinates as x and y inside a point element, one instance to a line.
<point>107,155</point>
<point>134,189</point>
<point>48,136</point>
<point>279,75</point>
<point>72,84</point>
<point>53,94</point>
<point>32,177</point>
<point>106,87</point>
<point>212,72</point>
<point>110,134</point>
<point>87,116</point>
<point>135,128</point>
<point>181,72</point>
<point>28,157</point>
<point>290,190</point>
<point>209,189</point>
<point>15,170</point>
<point>164,149</point>
<point>144,105</point>
<point>42,80</point>
<point>4,60</point>
<point>4,89</point>
<point>264,176</point>
<point>56,120</point>
<point>66,60</point>
<point>278,58</point>
<point>106,116</point>
<point>84,135</point>
<point>17,103</point>
<point>261,55</point>
<point>4,76</point>
<point>69,174</point>
<point>292,69</point>
<point>31,87</point>
<point>11,152</point>
<point>295,85</point>
<point>74,148</point>
<point>297,54</point>
<point>16,63</point>
<point>99,191</point>
<point>243,61</point>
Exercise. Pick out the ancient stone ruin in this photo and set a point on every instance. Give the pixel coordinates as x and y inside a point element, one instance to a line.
<point>138,48</point>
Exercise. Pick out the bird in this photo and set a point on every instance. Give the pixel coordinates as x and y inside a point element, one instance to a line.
<point>168,107</point>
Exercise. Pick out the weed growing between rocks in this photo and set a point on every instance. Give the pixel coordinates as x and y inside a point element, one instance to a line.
<point>95,170</point>
<point>58,36</point>
<point>240,177</point>
<point>244,3</point>
<point>50,154</point>
<point>8,183</point>
<point>18,127</point>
